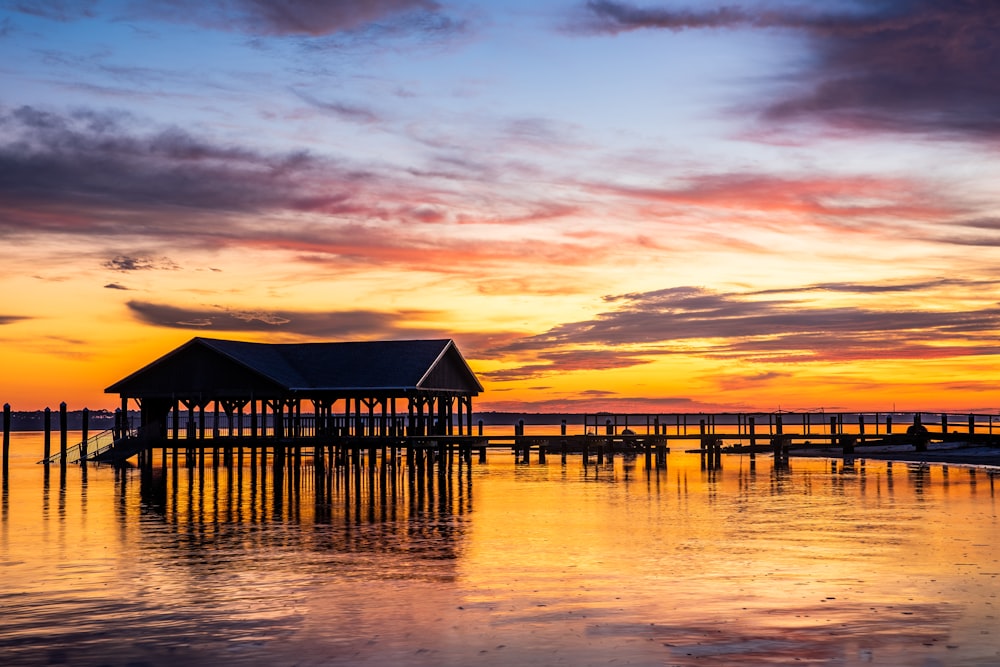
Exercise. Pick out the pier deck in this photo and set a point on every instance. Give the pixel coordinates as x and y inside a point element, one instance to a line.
<point>349,440</point>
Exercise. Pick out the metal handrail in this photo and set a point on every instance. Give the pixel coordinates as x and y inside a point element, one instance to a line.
<point>93,446</point>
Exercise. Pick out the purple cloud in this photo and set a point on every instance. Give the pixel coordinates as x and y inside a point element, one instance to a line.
<point>259,17</point>
<point>900,65</point>
<point>87,172</point>
<point>309,324</point>
<point>768,325</point>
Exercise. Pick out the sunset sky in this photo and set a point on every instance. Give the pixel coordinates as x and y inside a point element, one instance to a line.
<point>630,206</point>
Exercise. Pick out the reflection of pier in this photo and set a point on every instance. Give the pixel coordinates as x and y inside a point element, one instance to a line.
<point>203,486</point>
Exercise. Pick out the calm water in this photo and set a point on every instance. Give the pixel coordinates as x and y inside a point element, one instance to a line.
<point>539,564</point>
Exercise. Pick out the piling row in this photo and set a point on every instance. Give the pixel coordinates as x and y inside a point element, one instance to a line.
<point>604,437</point>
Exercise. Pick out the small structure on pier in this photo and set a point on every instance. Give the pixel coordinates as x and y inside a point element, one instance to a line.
<point>351,389</point>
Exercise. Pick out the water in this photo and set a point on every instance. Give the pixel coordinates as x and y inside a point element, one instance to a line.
<point>503,563</point>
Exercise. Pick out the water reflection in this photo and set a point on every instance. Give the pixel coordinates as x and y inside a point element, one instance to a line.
<point>830,562</point>
<point>416,511</point>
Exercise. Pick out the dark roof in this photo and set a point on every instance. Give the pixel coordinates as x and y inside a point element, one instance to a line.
<point>211,366</point>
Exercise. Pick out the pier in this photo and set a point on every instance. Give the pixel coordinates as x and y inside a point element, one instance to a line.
<point>409,404</point>
<point>289,438</point>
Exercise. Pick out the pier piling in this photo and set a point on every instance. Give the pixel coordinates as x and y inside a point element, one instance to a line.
<point>47,437</point>
<point>63,436</point>
<point>6,440</point>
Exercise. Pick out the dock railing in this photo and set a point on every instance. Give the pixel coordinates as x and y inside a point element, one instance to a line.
<point>803,424</point>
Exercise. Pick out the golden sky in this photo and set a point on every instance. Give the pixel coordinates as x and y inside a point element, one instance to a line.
<point>661,206</point>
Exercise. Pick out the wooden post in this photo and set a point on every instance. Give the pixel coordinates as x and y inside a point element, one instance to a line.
<point>944,423</point>
<point>562,428</point>
<point>63,427</point>
<point>861,427</point>
<point>780,448</point>
<point>47,443</point>
<point>6,440</point>
<point>972,424</point>
<point>888,424</point>
<point>84,433</point>
<point>753,435</point>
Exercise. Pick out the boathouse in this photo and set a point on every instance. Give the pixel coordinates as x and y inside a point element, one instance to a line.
<point>292,390</point>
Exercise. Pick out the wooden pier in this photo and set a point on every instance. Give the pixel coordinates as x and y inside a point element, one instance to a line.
<point>292,439</point>
<point>394,404</point>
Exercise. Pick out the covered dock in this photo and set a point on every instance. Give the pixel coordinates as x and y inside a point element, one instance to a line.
<point>209,392</point>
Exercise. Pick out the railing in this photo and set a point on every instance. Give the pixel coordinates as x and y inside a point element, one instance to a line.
<point>89,449</point>
<point>181,427</point>
<point>790,423</point>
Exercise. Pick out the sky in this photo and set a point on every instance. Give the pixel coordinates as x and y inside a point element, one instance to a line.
<point>627,206</point>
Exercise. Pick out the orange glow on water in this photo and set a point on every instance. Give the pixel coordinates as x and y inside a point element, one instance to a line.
<point>506,561</point>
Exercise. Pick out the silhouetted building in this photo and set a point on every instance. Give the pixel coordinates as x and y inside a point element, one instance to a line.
<point>352,389</point>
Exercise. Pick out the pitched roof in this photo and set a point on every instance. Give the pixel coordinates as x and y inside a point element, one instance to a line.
<point>368,365</point>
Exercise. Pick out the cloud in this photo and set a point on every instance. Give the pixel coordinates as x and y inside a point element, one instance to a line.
<point>258,17</point>
<point>899,65</point>
<point>125,263</point>
<point>607,16</point>
<point>11,319</point>
<point>567,361</point>
<point>983,232</point>
<point>309,17</point>
<point>91,174</point>
<point>607,402</point>
<point>772,326</point>
<point>55,169</point>
<point>349,112</point>
<point>116,286</point>
<point>56,10</point>
<point>362,324</point>
<point>816,196</point>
